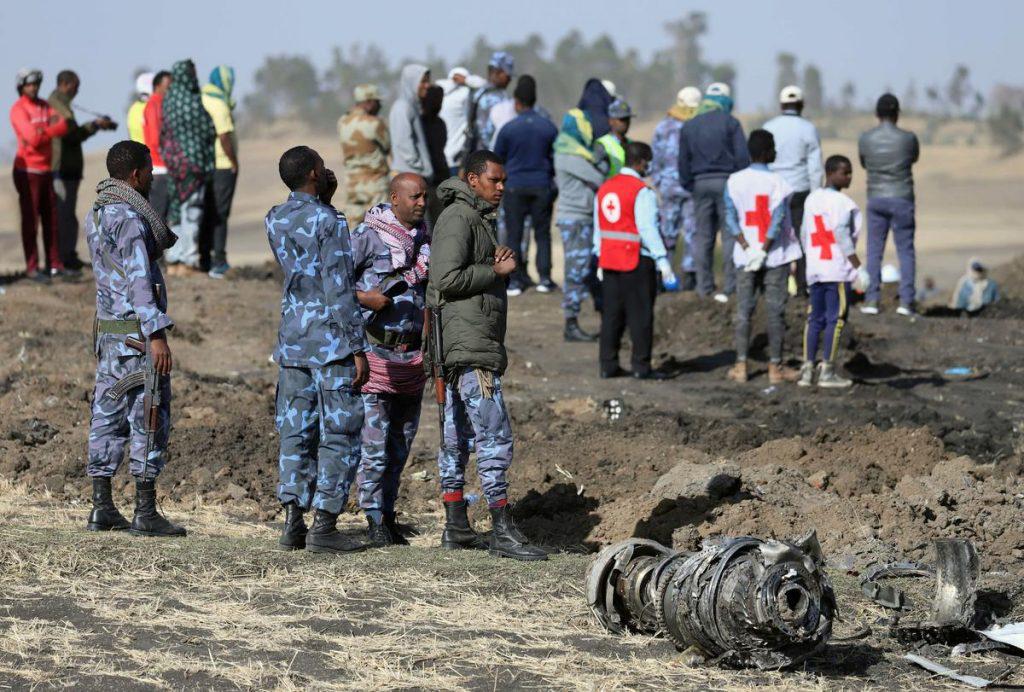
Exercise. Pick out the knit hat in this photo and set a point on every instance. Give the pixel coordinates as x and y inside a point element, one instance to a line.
<point>688,97</point>
<point>366,92</point>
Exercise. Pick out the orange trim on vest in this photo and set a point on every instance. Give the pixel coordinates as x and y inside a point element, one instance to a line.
<point>616,222</point>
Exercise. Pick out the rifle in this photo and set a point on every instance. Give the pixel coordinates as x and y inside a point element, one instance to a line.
<point>432,320</point>
<point>149,379</point>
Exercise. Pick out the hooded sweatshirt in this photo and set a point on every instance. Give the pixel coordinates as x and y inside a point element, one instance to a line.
<point>408,142</point>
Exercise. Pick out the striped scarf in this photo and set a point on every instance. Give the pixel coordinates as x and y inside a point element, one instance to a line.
<point>410,249</point>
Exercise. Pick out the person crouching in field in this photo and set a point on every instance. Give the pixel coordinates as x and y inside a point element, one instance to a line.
<point>832,223</point>
<point>126,237</point>
<point>321,348</point>
<point>390,253</point>
<point>756,214</point>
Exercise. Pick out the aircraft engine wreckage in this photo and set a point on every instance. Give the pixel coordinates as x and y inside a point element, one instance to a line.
<point>740,601</point>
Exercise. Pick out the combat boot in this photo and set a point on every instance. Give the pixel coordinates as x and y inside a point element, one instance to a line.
<point>323,536</point>
<point>573,331</point>
<point>378,533</point>
<point>828,378</point>
<point>458,534</point>
<point>738,372</point>
<point>293,536</point>
<point>806,374</point>
<point>147,520</point>
<point>391,522</point>
<point>509,541</point>
<point>104,515</point>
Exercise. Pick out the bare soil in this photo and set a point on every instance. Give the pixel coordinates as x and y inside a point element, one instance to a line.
<point>909,454</point>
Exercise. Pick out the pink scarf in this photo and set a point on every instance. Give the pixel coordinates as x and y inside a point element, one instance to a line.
<point>401,242</point>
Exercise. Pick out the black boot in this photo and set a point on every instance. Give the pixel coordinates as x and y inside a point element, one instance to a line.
<point>293,536</point>
<point>378,533</point>
<point>458,534</point>
<point>508,541</point>
<point>323,536</point>
<point>104,515</point>
<point>573,331</point>
<point>391,522</point>
<point>147,520</point>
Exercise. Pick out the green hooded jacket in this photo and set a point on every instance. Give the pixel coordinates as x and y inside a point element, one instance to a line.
<point>463,282</point>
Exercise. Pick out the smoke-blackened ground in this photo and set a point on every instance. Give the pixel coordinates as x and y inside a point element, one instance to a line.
<point>911,453</point>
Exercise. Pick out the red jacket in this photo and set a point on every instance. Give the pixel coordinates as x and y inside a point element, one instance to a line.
<point>152,117</point>
<point>30,119</point>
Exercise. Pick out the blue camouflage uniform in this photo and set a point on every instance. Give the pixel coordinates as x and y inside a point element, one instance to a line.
<point>391,418</point>
<point>676,204</point>
<point>129,294</point>
<point>319,414</point>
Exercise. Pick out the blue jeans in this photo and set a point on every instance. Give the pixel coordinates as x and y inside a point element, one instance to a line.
<point>898,214</point>
<point>826,317</point>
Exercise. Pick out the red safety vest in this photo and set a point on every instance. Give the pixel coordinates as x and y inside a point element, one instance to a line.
<point>620,238</point>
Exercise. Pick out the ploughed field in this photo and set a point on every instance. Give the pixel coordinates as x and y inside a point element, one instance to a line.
<point>909,454</point>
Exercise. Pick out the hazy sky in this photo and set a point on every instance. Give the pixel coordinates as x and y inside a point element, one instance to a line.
<point>874,43</point>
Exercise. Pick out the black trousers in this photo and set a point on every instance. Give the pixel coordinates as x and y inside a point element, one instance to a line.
<point>796,213</point>
<point>213,237</point>
<point>628,301</point>
<point>538,202</point>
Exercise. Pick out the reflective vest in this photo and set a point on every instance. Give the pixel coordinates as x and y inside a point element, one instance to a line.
<point>616,222</point>
<point>616,153</point>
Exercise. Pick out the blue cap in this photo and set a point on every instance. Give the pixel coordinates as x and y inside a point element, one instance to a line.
<point>503,61</point>
<point>619,109</point>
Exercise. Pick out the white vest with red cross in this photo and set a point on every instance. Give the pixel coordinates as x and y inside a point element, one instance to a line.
<point>755,194</point>
<point>616,222</point>
<point>825,210</point>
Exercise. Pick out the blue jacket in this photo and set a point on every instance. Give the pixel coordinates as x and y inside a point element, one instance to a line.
<point>525,144</point>
<point>712,145</point>
<point>320,318</point>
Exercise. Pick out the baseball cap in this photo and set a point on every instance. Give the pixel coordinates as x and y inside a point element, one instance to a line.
<point>791,94</point>
<point>503,61</point>
<point>718,89</point>
<point>619,109</point>
<point>144,84</point>
<point>688,97</point>
<point>366,92</point>
<point>29,76</point>
<point>609,86</point>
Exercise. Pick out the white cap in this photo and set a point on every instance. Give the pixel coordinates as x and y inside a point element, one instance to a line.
<point>144,84</point>
<point>718,89</point>
<point>609,86</point>
<point>458,72</point>
<point>791,94</point>
<point>688,97</point>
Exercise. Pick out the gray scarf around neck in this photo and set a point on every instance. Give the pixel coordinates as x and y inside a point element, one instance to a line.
<point>114,191</point>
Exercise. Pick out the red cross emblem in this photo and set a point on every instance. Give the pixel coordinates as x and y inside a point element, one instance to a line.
<point>760,217</point>
<point>610,207</point>
<point>822,237</point>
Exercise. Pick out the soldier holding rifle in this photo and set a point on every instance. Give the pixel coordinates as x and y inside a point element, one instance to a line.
<point>132,397</point>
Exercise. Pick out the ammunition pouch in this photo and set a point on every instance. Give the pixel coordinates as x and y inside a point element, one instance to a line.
<point>394,341</point>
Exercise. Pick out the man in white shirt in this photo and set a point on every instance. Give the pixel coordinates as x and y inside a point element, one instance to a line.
<point>798,158</point>
<point>454,109</point>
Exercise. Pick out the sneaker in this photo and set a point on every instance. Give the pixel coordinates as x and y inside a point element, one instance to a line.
<point>721,298</point>
<point>906,311</point>
<point>828,378</point>
<point>547,286</point>
<point>219,271</point>
<point>779,373</point>
<point>869,308</point>
<point>514,290</point>
<point>38,276</point>
<point>806,375</point>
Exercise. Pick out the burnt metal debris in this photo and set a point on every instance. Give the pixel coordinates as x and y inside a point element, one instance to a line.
<point>745,602</point>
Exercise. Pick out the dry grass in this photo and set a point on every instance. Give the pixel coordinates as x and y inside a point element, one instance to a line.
<point>223,609</point>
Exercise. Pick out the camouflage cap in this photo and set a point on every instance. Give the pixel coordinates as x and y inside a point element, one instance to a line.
<point>367,92</point>
<point>620,110</point>
<point>501,60</point>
